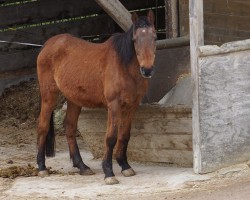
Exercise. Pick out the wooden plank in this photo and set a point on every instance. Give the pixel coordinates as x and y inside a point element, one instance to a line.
<point>161,141</point>
<point>220,39</point>
<point>100,25</point>
<point>178,149</point>
<point>38,11</point>
<point>181,126</point>
<point>228,7</point>
<point>27,58</point>
<point>226,21</point>
<point>144,111</point>
<point>138,4</point>
<point>146,141</point>
<point>18,60</point>
<point>172,157</point>
<point>221,31</point>
<point>183,18</point>
<point>196,40</point>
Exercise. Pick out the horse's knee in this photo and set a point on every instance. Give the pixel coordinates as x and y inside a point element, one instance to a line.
<point>111,141</point>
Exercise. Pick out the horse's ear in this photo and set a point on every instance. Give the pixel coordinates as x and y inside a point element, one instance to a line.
<point>151,17</point>
<point>134,17</point>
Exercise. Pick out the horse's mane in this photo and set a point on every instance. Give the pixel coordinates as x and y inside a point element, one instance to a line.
<point>123,43</point>
<point>124,46</point>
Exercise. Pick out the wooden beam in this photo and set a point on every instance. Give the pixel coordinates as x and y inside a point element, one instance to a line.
<point>196,40</point>
<point>171,18</point>
<point>117,11</point>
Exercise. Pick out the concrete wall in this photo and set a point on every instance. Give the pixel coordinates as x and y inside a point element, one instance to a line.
<point>224,105</point>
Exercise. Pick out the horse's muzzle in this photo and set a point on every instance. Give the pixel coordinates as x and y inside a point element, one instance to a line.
<point>147,73</point>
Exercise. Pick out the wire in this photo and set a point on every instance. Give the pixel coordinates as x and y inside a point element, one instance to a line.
<point>21,43</point>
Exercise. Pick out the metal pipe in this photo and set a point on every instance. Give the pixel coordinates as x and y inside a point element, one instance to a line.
<point>173,43</point>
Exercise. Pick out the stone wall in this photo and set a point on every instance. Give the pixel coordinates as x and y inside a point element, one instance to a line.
<point>224,103</point>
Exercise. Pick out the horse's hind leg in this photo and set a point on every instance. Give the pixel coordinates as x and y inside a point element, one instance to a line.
<point>48,101</point>
<point>70,124</point>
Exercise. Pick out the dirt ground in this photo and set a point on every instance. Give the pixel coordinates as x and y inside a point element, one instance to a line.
<point>19,107</point>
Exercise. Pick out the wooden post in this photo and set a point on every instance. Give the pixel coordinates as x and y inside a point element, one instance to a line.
<point>196,40</point>
<point>117,11</point>
<point>171,18</point>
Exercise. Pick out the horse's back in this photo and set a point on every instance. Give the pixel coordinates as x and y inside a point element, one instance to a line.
<point>59,45</point>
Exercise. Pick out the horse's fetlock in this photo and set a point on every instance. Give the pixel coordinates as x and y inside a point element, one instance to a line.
<point>107,168</point>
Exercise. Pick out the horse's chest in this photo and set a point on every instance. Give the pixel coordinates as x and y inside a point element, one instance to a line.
<point>133,92</point>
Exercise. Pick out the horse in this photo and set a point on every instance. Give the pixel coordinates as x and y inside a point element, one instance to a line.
<point>113,74</point>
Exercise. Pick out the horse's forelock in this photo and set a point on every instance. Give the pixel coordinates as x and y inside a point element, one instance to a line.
<point>142,22</point>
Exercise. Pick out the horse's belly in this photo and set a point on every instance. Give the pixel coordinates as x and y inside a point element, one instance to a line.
<point>84,97</point>
<point>84,94</point>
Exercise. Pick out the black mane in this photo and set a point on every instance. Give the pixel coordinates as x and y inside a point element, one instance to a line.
<point>124,46</point>
<point>123,42</point>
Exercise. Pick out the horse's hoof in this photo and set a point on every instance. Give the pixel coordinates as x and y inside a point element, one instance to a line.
<point>111,180</point>
<point>128,172</point>
<point>43,173</point>
<point>86,172</point>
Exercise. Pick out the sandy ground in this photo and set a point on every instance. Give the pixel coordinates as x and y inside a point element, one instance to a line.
<point>18,148</point>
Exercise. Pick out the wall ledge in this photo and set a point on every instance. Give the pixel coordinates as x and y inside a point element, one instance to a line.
<point>229,47</point>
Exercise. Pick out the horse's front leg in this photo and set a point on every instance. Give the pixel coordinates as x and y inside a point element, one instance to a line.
<point>122,142</point>
<point>70,124</point>
<point>110,141</point>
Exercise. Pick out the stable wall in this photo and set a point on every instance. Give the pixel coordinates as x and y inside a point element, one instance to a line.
<point>224,20</point>
<point>159,134</point>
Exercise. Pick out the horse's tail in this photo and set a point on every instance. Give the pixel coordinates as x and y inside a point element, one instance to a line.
<point>50,139</point>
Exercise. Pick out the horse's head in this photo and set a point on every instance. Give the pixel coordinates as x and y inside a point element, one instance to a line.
<point>144,37</point>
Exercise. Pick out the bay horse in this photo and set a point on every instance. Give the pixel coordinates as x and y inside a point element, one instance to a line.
<point>113,74</point>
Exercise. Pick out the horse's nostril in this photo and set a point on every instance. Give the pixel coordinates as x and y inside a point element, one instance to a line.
<point>146,72</point>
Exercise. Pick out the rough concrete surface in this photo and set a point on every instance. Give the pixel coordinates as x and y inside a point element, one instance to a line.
<point>151,181</point>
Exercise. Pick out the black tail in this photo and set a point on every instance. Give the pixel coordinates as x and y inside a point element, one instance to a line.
<point>50,139</point>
